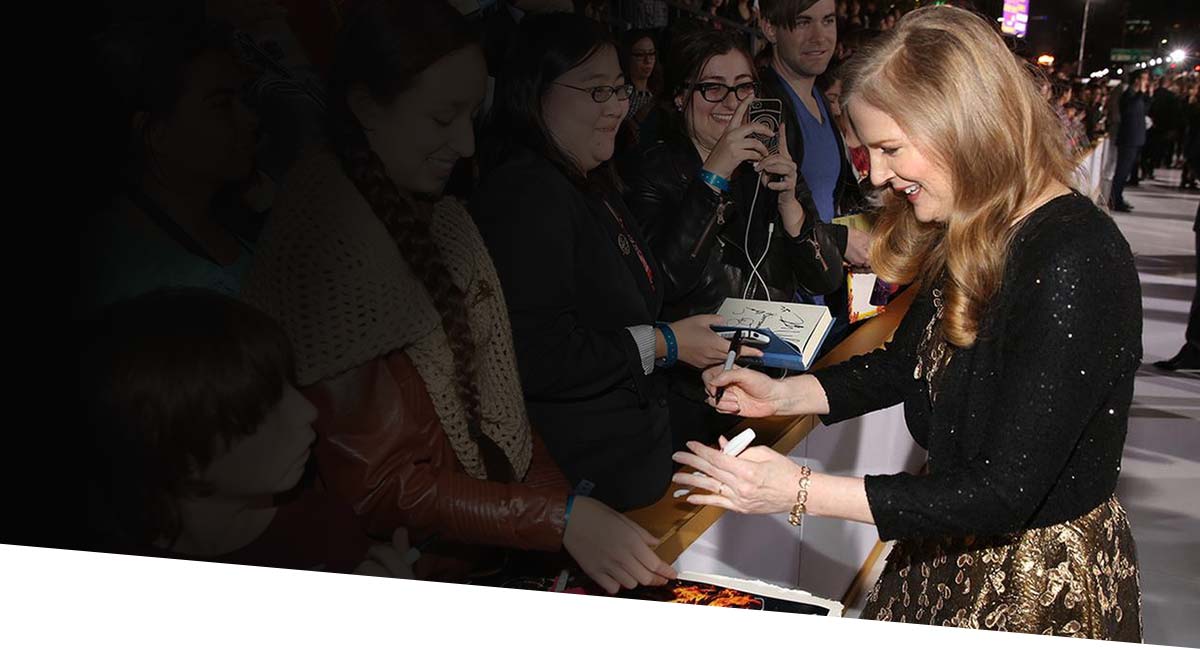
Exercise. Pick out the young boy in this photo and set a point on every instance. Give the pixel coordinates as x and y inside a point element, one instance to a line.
<point>199,442</point>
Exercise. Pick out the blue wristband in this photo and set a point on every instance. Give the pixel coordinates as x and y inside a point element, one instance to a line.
<point>567,513</point>
<point>717,182</point>
<point>672,346</point>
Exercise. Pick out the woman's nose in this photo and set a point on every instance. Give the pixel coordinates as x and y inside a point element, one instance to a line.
<point>879,173</point>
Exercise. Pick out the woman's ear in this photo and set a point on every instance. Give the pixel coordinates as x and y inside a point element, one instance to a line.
<point>146,135</point>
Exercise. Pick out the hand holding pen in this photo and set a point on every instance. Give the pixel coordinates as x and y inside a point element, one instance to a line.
<point>735,346</point>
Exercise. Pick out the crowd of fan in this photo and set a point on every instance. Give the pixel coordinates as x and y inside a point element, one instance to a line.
<point>193,396</point>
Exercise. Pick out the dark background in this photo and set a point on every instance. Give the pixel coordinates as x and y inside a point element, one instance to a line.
<point>1054,28</point>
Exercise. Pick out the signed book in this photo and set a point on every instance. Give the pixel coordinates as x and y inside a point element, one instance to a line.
<point>794,331</point>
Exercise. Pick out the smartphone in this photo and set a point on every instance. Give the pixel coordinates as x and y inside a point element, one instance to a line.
<point>767,112</point>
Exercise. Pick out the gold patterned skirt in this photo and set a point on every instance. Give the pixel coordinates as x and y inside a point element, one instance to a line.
<point>1078,578</point>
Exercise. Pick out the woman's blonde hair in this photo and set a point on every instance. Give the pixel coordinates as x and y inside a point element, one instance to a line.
<point>950,83</point>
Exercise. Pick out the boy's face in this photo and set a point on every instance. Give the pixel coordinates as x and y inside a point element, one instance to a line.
<point>272,459</point>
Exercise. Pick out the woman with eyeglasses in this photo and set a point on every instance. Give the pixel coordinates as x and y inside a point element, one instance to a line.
<point>584,290</point>
<point>640,62</point>
<point>724,215</point>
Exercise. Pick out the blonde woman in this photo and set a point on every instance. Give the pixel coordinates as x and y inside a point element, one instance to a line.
<point>1015,364</point>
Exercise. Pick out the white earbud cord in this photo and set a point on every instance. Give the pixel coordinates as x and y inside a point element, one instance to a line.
<point>746,246</point>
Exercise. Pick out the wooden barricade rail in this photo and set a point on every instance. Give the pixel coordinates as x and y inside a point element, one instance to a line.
<point>678,524</point>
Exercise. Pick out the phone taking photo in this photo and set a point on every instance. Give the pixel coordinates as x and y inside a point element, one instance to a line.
<point>767,112</point>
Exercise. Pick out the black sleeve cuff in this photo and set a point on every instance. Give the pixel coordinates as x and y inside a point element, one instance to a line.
<point>886,510</point>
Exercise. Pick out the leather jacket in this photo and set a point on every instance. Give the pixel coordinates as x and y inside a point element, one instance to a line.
<point>381,447</point>
<point>699,235</point>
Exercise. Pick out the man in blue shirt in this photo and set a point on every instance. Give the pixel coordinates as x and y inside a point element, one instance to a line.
<point>803,34</point>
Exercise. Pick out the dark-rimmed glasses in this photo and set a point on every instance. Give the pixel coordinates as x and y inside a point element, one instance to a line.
<point>717,92</point>
<point>601,94</point>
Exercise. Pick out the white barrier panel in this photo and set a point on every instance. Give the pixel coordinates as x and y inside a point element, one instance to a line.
<point>826,556</point>
<point>1090,174</point>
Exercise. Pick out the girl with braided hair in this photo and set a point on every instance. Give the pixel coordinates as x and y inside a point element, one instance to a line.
<point>393,306</point>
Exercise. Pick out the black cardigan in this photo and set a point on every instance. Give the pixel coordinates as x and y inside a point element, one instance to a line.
<point>1029,424</point>
<point>571,290</point>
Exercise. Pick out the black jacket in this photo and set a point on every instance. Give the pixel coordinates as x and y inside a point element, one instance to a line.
<point>571,290</point>
<point>1132,131</point>
<point>1028,425</point>
<point>699,235</point>
<point>1166,111</point>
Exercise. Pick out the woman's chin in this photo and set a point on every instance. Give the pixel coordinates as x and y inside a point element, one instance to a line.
<point>604,151</point>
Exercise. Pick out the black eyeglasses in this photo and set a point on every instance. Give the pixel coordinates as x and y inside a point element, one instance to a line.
<point>643,55</point>
<point>715,92</point>
<point>601,94</point>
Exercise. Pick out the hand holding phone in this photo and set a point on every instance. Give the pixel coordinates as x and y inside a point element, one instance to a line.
<point>742,141</point>
<point>767,112</point>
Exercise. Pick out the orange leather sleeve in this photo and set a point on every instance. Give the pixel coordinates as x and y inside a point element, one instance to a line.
<point>382,448</point>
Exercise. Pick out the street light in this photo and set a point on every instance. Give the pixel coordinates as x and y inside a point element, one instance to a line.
<point>1083,36</point>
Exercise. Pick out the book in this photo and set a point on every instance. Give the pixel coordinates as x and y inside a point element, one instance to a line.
<point>857,221</point>
<point>697,589</point>
<point>867,294</point>
<point>795,331</point>
<point>862,290</point>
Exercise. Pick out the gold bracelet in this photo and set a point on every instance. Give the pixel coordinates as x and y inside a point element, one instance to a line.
<point>799,509</point>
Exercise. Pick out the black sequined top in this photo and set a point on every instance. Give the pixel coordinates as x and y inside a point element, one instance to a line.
<point>1028,424</point>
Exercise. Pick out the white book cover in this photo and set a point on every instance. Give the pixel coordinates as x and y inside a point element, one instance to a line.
<point>861,289</point>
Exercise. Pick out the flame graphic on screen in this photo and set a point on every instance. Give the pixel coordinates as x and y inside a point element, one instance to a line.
<point>713,596</point>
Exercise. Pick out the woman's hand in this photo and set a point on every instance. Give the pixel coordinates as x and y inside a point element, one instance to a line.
<point>748,393</point>
<point>780,173</point>
<point>759,481</point>
<point>752,394</point>
<point>700,346</point>
<point>388,561</point>
<point>611,549</point>
<point>737,144</point>
<point>858,248</point>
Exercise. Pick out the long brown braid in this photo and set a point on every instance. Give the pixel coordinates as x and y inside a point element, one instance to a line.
<point>368,47</point>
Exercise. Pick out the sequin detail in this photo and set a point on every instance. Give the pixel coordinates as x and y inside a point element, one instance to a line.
<point>1078,578</point>
<point>932,352</point>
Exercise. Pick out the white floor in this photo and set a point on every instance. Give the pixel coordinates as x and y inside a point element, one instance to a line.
<point>1160,474</point>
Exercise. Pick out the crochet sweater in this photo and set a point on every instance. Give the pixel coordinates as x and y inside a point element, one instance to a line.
<point>332,276</point>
